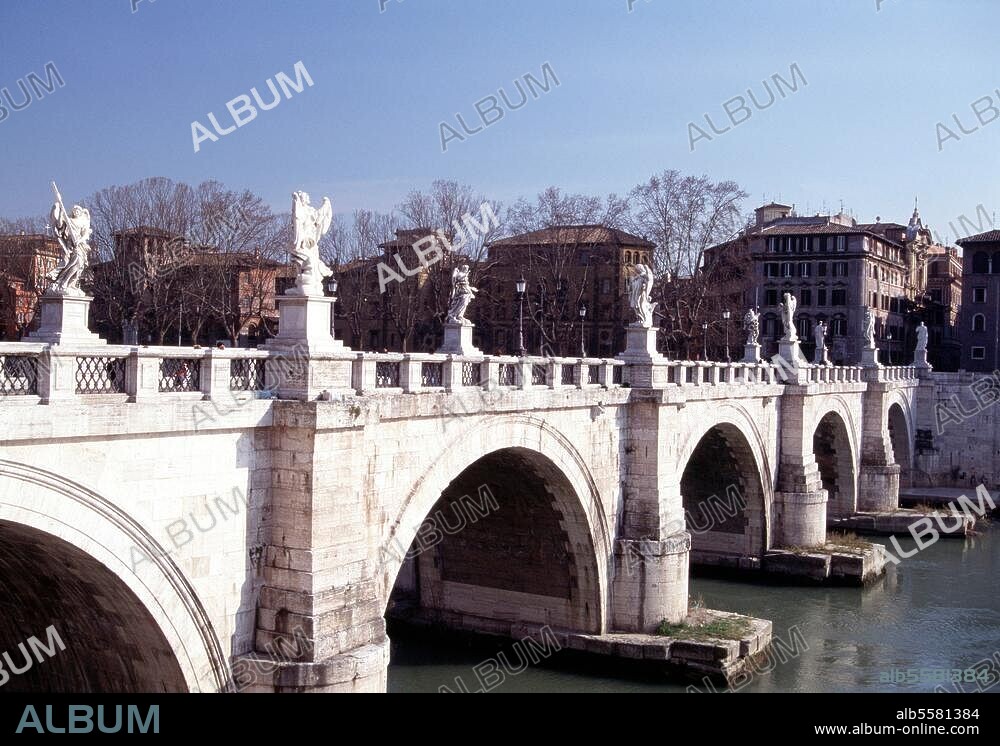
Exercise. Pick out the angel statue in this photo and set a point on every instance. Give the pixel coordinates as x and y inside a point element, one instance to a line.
<point>311,224</point>
<point>462,294</point>
<point>640,289</point>
<point>819,335</point>
<point>73,232</point>
<point>922,337</point>
<point>869,329</point>
<point>788,318</point>
<point>751,324</point>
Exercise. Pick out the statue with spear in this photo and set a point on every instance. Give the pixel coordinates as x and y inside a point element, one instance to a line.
<point>73,232</point>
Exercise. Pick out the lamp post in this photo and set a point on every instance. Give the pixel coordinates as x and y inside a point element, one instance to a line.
<point>704,340</point>
<point>521,286</point>
<point>583,316</point>
<point>726,316</point>
<point>331,287</point>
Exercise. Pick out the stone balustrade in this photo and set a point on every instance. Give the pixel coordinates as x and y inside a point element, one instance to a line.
<point>33,373</point>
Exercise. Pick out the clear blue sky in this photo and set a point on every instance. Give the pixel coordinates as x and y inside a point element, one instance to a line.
<point>861,131</point>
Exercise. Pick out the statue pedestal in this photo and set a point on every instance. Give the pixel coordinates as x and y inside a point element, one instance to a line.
<point>869,357</point>
<point>790,351</point>
<point>640,345</point>
<point>751,353</point>
<point>64,321</point>
<point>822,356</point>
<point>308,361</point>
<point>920,359</point>
<point>304,323</point>
<point>458,340</point>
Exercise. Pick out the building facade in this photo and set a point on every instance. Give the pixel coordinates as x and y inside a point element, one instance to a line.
<point>566,268</point>
<point>979,322</point>
<point>25,262</point>
<point>837,268</point>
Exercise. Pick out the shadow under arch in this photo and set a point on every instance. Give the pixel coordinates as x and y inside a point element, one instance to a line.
<point>901,436</point>
<point>726,502</point>
<point>68,520</point>
<point>537,458</point>
<point>836,458</point>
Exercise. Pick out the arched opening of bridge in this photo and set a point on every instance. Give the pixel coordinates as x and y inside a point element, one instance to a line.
<point>105,639</point>
<point>832,448</point>
<point>507,542</point>
<point>899,435</point>
<point>723,500</point>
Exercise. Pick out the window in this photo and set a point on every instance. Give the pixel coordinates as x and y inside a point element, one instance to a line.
<point>771,269</point>
<point>978,295</point>
<point>585,258</point>
<point>885,302</point>
<point>806,297</point>
<point>839,297</point>
<point>838,326</point>
<point>821,297</point>
<point>935,269</point>
<point>786,269</point>
<point>936,295</point>
<point>841,243</point>
<point>995,267</point>
<point>628,257</point>
<point>605,285</point>
<point>821,271</point>
<point>805,269</point>
<point>840,269</point>
<point>769,326</point>
<point>804,327</point>
<point>978,353</point>
<point>979,323</point>
<point>981,263</point>
<point>772,245</point>
<point>772,297</point>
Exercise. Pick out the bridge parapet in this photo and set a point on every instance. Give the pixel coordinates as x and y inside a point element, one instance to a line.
<point>421,372</point>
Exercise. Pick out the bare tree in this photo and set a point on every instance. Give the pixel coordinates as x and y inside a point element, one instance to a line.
<point>684,216</point>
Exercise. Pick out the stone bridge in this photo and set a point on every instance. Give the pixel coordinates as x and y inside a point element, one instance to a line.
<point>206,519</point>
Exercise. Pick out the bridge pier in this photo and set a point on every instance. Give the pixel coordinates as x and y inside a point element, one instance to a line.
<point>800,502</point>
<point>878,477</point>
<point>650,583</point>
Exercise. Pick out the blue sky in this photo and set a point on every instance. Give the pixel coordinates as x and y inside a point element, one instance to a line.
<point>862,131</point>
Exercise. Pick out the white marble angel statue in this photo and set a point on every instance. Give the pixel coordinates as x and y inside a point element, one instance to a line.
<point>73,232</point>
<point>751,324</point>
<point>462,294</point>
<point>869,331</point>
<point>819,335</point>
<point>640,290</point>
<point>311,224</point>
<point>788,317</point>
<point>922,337</point>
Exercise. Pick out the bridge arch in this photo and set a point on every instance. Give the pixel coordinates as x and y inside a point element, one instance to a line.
<point>550,493</point>
<point>836,457</point>
<point>899,423</point>
<point>726,488</point>
<point>82,546</point>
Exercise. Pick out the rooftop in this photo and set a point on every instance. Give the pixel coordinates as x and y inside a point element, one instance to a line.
<point>562,235</point>
<point>987,237</point>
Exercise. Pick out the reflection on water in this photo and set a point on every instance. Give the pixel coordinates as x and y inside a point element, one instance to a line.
<point>939,609</point>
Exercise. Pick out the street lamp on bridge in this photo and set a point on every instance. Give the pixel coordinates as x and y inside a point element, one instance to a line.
<point>521,287</point>
<point>726,315</point>
<point>583,316</point>
<point>704,340</point>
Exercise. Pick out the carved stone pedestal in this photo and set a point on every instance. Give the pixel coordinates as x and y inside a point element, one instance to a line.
<point>920,359</point>
<point>869,357</point>
<point>751,353</point>
<point>310,360</point>
<point>640,345</point>
<point>822,356</point>
<point>64,320</point>
<point>458,340</point>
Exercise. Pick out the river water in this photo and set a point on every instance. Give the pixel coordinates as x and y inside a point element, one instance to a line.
<point>939,609</point>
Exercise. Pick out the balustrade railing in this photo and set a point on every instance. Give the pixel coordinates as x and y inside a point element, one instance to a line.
<point>145,373</point>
